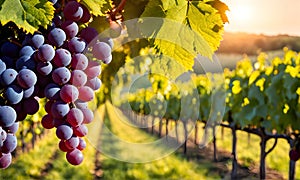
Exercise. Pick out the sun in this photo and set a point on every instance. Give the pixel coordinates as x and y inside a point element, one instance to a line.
<point>241,14</point>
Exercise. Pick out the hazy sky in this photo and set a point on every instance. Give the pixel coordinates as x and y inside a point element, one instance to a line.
<point>269,17</point>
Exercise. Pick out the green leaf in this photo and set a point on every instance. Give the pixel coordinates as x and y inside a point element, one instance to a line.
<point>97,7</point>
<point>27,15</point>
<point>189,28</point>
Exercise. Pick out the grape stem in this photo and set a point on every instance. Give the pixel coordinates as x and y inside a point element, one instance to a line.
<point>117,10</point>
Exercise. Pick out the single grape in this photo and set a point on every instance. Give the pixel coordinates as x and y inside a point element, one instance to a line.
<point>46,53</point>
<point>294,155</point>
<point>47,121</point>
<point>73,11</point>
<point>8,76</point>
<point>2,66</point>
<point>81,104</point>
<point>108,41</point>
<point>70,28</point>
<point>27,93</point>
<point>69,93</point>
<point>10,49</point>
<point>82,144</point>
<point>61,75</point>
<point>75,117</point>
<point>94,83</point>
<point>26,51</point>
<point>59,109</point>
<point>86,15</point>
<point>85,93</point>
<point>76,45</point>
<point>14,94</point>
<point>10,144</point>
<point>101,51</point>
<point>44,68</point>
<point>80,130</point>
<point>79,61</point>
<point>72,143</point>
<point>31,106</point>
<point>78,78</point>
<point>62,57</point>
<point>5,160</point>
<point>57,20</point>
<point>62,146</point>
<point>93,70</point>
<point>88,116</point>
<point>37,40</point>
<point>26,62</point>
<point>74,157</point>
<point>64,132</point>
<point>52,91</point>
<point>13,128</point>
<point>26,78</point>
<point>89,34</point>
<point>48,106</point>
<point>57,37</point>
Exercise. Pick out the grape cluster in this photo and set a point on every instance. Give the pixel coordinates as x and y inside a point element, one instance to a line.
<point>61,64</point>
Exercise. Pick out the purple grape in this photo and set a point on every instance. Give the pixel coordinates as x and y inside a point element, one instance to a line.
<point>64,132</point>
<point>53,1</point>
<point>31,106</point>
<point>86,15</point>
<point>46,53</point>
<point>10,49</point>
<point>25,62</point>
<point>88,116</point>
<point>102,51</point>
<point>59,109</point>
<point>14,94</point>
<point>47,122</point>
<point>76,45</point>
<point>10,144</point>
<point>108,41</point>
<point>69,93</point>
<point>93,70</point>
<point>81,104</point>
<point>37,40</point>
<point>57,20</point>
<point>2,66</point>
<point>13,128</point>
<point>44,68</point>
<point>62,57</point>
<point>94,83</point>
<point>7,116</point>
<point>89,34</point>
<point>3,135</point>
<point>80,130</point>
<point>73,11</point>
<point>5,160</point>
<point>51,91</point>
<point>78,78</point>
<point>26,78</point>
<point>82,144</point>
<point>75,117</point>
<point>57,37</point>
<point>26,51</point>
<point>8,76</point>
<point>27,93</point>
<point>58,122</point>
<point>74,157</point>
<point>79,61</point>
<point>70,28</point>
<point>48,106</point>
<point>62,146</point>
<point>61,75</point>
<point>72,143</point>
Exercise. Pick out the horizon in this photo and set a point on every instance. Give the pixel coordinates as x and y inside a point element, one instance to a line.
<point>268,17</point>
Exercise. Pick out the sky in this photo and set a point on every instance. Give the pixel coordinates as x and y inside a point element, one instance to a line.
<point>270,17</point>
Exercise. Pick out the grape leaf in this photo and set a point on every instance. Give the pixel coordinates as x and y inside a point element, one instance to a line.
<point>28,15</point>
<point>97,7</point>
<point>200,17</point>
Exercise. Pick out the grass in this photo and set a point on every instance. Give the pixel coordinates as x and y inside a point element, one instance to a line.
<point>29,165</point>
<point>170,167</point>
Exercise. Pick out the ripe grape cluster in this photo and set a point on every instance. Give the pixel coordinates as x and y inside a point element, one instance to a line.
<point>61,64</point>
